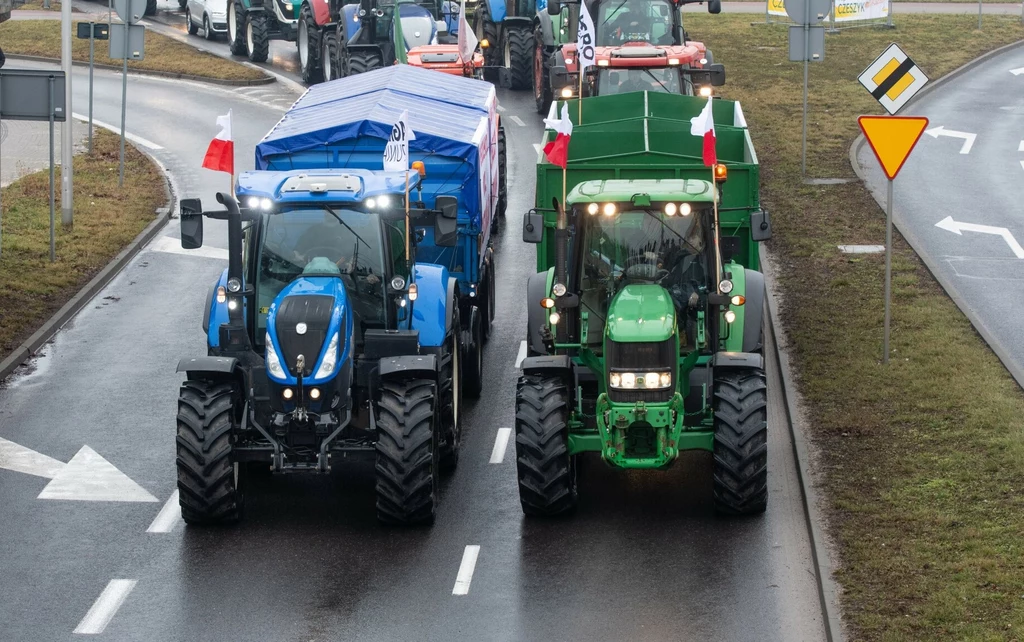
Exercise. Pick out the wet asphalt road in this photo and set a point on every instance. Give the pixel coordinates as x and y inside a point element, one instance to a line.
<point>982,187</point>
<point>645,558</point>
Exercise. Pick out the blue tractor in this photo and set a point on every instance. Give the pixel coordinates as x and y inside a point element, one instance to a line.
<point>510,27</point>
<point>325,340</point>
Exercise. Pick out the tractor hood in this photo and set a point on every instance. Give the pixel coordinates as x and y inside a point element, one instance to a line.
<point>303,319</point>
<point>641,313</point>
<point>418,26</point>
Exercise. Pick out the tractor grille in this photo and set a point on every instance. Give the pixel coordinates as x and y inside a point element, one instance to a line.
<point>641,357</point>
<point>315,312</point>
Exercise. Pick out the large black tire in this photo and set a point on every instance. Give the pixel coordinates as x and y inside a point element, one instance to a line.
<point>407,452</point>
<point>451,407</point>
<point>362,60</point>
<point>487,299</point>
<point>257,40</point>
<point>502,174</point>
<point>518,55</point>
<point>329,56</point>
<point>342,59</point>
<point>182,4</point>
<point>741,442</point>
<point>546,471</point>
<point>308,42</point>
<point>541,73</point>
<point>191,27</point>
<point>208,481</point>
<point>150,8</point>
<point>236,28</point>
<point>483,27</point>
<point>473,355</point>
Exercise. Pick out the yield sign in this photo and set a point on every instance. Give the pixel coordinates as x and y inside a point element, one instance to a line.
<point>892,138</point>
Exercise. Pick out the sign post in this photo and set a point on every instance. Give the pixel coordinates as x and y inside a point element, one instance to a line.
<point>892,79</point>
<point>127,42</point>
<point>806,43</point>
<point>93,32</point>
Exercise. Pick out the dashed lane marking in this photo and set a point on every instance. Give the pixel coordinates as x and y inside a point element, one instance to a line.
<point>1020,147</point>
<point>536,147</point>
<point>501,109</point>
<point>521,355</point>
<point>466,569</point>
<point>500,445</point>
<point>105,607</point>
<point>517,120</point>
<point>132,137</point>
<point>171,245</point>
<point>168,517</point>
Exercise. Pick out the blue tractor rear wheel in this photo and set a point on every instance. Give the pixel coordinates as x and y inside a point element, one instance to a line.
<point>408,458</point>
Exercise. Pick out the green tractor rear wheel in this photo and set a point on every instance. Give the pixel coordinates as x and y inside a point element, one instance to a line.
<point>741,442</point>
<point>546,470</point>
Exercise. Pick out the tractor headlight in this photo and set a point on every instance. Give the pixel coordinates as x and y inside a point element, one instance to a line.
<point>725,286</point>
<point>398,283</point>
<point>273,361</point>
<point>644,381</point>
<point>558,289</point>
<point>628,380</point>
<point>266,204</point>
<point>253,202</point>
<point>383,200</point>
<point>330,361</point>
<point>234,285</point>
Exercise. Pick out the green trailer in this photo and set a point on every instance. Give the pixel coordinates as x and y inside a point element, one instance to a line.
<point>645,317</point>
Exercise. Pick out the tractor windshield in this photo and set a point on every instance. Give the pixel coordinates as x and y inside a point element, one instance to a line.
<point>622,21</point>
<point>419,25</point>
<point>626,80</point>
<point>641,246</point>
<point>323,242</point>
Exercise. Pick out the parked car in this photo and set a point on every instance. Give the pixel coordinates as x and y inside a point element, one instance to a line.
<point>209,15</point>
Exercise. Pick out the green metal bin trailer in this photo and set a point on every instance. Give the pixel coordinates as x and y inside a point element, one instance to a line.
<point>639,346</point>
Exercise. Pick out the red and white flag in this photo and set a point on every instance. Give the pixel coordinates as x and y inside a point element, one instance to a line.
<point>557,151</point>
<point>220,155</point>
<point>703,125</point>
<point>467,39</point>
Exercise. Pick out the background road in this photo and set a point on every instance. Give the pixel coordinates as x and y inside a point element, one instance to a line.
<point>982,187</point>
<point>644,558</point>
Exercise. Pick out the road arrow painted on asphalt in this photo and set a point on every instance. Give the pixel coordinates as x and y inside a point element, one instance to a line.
<point>1018,71</point>
<point>87,477</point>
<point>935,132</point>
<point>959,228</point>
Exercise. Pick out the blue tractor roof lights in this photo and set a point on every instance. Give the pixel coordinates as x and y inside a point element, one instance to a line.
<point>301,187</point>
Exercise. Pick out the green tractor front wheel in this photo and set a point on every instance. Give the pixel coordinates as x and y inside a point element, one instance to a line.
<point>546,470</point>
<point>741,442</point>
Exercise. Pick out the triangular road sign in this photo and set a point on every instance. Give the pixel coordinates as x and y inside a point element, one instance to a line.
<point>90,477</point>
<point>892,138</point>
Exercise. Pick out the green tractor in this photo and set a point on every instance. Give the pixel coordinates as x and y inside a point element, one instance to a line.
<point>645,317</point>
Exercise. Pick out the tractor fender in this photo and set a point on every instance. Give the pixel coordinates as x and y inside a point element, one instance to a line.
<point>198,366</point>
<point>451,300</point>
<point>349,24</point>
<point>557,365</point>
<point>216,313</point>
<point>546,29</point>
<point>753,312</point>
<point>431,312</point>
<point>212,292</point>
<point>418,365</point>
<point>354,44</point>
<point>536,289</point>
<point>523,22</point>
<point>497,8</point>
<point>739,360</point>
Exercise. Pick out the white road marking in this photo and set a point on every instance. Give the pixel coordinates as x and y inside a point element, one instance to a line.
<point>1022,162</point>
<point>959,228</point>
<point>106,605</point>
<point>521,355</point>
<point>501,109</point>
<point>1020,148</point>
<point>132,137</point>
<point>171,245</point>
<point>1018,71</point>
<point>168,517</point>
<point>536,147</point>
<point>500,445</point>
<point>90,477</point>
<point>25,460</point>
<point>967,137</point>
<point>466,569</point>
<point>517,120</point>
<point>861,249</point>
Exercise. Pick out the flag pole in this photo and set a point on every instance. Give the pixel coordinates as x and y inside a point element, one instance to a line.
<point>718,247</point>
<point>408,254</point>
<point>579,97</point>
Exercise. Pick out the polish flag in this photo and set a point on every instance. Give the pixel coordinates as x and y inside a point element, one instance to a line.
<point>703,125</point>
<point>557,150</point>
<point>220,155</point>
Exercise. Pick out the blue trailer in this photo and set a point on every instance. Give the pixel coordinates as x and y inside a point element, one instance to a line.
<point>345,124</point>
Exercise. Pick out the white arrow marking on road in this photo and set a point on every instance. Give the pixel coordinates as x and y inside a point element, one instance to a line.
<point>935,132</point>
<point>1018,71</point>
<point>90,477</point>
<point>25,460</point>
<point>959,228</point>
<point>106,605</point>
<point>168,517</point>
<point>465,576</point>
<point>500,445</point>
<point>1020,148</point>
<point>521,355</point>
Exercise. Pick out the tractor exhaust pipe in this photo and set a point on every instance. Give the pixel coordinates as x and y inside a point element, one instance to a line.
<point>234,245</point>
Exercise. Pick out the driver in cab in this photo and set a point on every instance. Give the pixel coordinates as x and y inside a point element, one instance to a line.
<point>330,248</point>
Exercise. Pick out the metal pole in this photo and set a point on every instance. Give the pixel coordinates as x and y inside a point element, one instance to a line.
<point>807,54</point>
<point>889,21</point>
<point>67,144</point>
<point>92,48</point>
<point>888,272</point>
<point>53,246</point>
<point>1,172</point>
<point>979,15</point>
<point>124,99</point>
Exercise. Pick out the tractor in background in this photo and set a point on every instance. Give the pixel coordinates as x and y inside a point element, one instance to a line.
<point>252,24</point>
<point>508,27</point>
<point>645,318</point>
<point>326,342</point>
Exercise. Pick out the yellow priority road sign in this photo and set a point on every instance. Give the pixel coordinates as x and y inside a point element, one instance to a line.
<point>893,78</point>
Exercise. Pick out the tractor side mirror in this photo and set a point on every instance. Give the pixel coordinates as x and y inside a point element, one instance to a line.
<point>448,206</point>
<point>717,72</point>
<point>554,7</point>
<point>760,225</point>
<point>714,6</point>
<point>533,227</point>
<point>191,223</point>
<point>446,231</point>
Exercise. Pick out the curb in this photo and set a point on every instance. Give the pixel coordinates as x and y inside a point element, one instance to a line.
<point>909,236</point>
<point>268,79</point>
<point>827,590</point>
<point>26,350</point>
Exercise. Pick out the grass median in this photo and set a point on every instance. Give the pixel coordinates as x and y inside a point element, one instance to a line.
<point>42,38</point>
<point>107,218</point>
<point>922,461</point>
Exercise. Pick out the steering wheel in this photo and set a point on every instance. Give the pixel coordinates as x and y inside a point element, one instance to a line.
<point>643,268</point>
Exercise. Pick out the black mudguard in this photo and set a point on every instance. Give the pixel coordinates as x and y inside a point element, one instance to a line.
<point>198,366</point>
<point>559,364</point>
<point>753,312</point>
<point>739,360</point>
<point>536,289</point>
<point>418,365</point>
<point>546,30</point>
